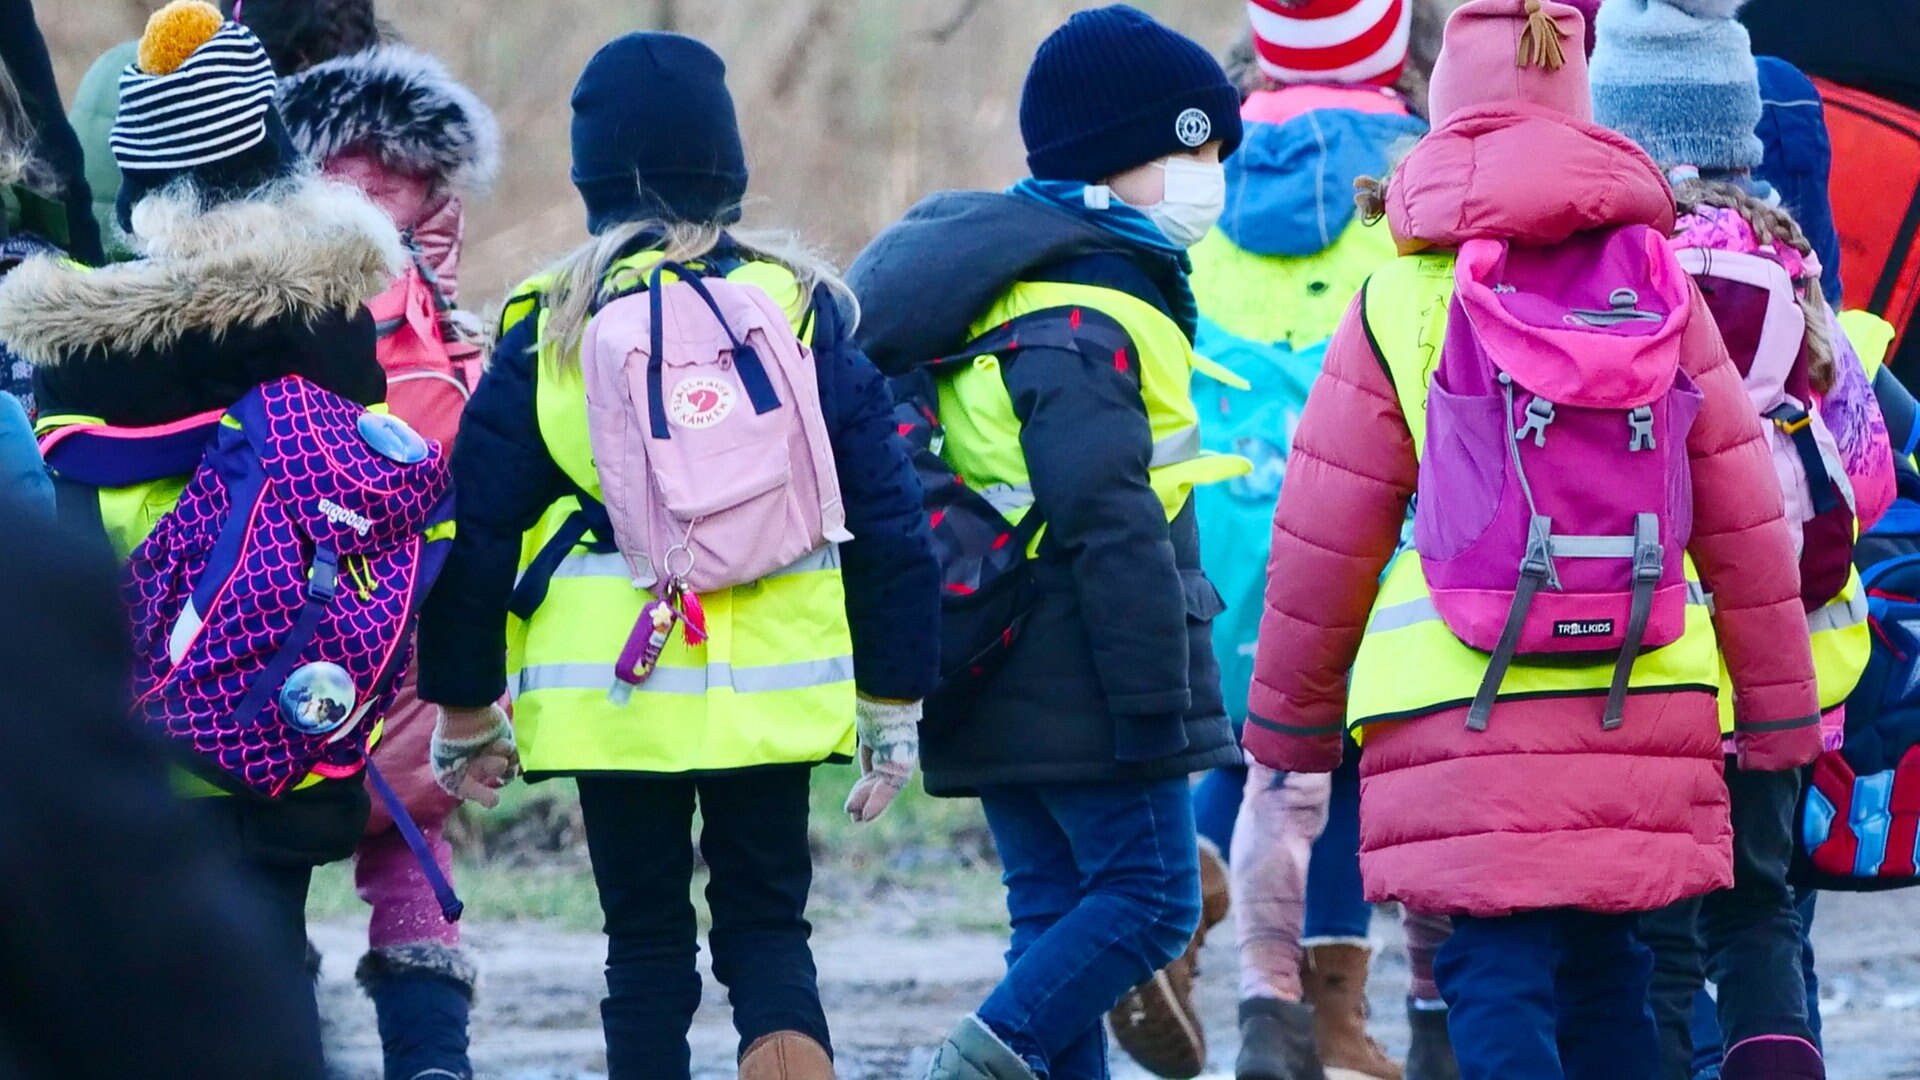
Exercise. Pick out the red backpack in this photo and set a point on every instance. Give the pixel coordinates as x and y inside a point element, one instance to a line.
<point>1876,201</point>
<point>432,362</point>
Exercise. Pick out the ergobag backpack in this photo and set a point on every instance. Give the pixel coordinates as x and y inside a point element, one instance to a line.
<point>1876,204</point>
<point>987,587</point>
<point>432,362</point>
<point>1765,330</point>
<point>1560,366</point>
<point>273,607</point>
<point>714,460</point>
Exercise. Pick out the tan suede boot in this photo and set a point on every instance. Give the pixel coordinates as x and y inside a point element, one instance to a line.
<point>1156,1023</point>
<point>1334,982</point>
<point>785,1055</point>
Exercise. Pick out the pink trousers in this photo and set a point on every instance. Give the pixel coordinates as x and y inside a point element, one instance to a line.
<point>1272,845</point>
<point>385,872</point>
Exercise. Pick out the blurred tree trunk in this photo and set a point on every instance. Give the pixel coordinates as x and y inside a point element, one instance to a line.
<point>666,14</point>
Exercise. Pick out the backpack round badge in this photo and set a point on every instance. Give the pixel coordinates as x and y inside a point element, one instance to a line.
<point>392,438</point>
<point>317,698</point>
<point>700,402</point>
<point>1193,127</point>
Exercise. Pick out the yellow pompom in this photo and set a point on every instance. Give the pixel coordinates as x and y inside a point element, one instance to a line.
<point>174,32</point>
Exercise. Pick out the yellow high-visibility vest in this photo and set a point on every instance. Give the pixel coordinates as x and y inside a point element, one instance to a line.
<point>773,682</point>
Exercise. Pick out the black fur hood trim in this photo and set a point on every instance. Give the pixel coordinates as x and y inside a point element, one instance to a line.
<point>400,105</point>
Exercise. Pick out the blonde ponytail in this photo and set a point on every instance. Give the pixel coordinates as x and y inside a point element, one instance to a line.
<point>586,278</point>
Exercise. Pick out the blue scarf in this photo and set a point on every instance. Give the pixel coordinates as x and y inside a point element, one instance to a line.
<point>1130,225</point>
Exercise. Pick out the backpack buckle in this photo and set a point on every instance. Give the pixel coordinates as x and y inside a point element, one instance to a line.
<point>323,581</point>
<point>1539,415</point>
<point>1648,558</point>
<point>1640,429</point>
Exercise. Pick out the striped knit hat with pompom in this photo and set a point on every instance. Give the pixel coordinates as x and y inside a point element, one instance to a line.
<point>197,105</point>
<point>1331,41</point>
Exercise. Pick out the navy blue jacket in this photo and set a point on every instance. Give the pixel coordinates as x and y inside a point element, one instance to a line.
<point>1114,675</point>
<point>505,479</point>
<point>1799,156</point>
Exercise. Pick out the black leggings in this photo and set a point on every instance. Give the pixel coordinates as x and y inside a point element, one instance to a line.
<point>754,842</point>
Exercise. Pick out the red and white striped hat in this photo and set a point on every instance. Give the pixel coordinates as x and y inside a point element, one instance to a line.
<point>1332,41</point>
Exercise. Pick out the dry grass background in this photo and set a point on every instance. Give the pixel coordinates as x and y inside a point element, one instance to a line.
<point>852,109</point>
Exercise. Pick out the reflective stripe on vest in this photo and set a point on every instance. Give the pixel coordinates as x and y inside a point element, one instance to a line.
<point>773,683</point>
<point>1409,663</point>
<point>983,433</point>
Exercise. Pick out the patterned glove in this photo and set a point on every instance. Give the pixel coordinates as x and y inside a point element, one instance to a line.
<point>473,754</point>
<point>889,752</point>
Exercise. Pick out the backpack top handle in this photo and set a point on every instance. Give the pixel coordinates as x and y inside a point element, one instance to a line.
<point>753,373</point>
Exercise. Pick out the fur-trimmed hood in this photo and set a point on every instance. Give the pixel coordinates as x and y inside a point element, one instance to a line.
<point>304,248</point>
<point>399,105</point>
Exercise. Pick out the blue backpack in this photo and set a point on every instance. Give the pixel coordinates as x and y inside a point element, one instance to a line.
<point>1860,810</point>
<point>1236,518</point>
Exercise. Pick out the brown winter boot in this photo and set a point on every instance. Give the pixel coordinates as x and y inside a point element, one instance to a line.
<point>785,1055</point>
<point>1334,982</point>
<point>1156,1023</point>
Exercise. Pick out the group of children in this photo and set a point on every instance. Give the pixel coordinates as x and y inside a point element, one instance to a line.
<point>1018,446</point>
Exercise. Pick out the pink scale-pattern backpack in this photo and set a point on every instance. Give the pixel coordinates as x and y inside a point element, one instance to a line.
<point>1554,501</point>
<point>272,609</point>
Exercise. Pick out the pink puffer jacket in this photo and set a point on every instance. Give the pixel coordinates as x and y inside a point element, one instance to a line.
<point>1544,809</point>
<point>394,123</point>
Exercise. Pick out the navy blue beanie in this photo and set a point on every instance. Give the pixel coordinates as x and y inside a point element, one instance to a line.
<point>1113,89</point>
<point>655,135</point>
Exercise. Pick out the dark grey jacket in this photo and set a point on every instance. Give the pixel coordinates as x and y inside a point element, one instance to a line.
<point>1114,676</point>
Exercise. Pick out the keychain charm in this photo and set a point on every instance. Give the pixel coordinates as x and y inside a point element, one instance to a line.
<point>644,646</point>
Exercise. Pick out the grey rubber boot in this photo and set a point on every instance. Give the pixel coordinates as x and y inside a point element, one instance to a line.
<point>973,1052</point>
<point>1276,1041</point>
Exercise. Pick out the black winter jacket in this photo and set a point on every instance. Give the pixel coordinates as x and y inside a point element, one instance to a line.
<point>505,479</point>
<point>1114,677</point>
<point>242,293</point>
<point>130,947</point>
<point>23,53</point>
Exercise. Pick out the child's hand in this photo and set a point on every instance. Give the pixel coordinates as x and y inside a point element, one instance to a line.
<point>473,753</point>
<point>889,752</point>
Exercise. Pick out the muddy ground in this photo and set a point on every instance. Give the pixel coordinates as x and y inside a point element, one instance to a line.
<point>894,984</point>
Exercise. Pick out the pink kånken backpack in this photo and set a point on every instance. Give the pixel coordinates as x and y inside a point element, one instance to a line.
<point>1555,499</point>
<point>714,459</point>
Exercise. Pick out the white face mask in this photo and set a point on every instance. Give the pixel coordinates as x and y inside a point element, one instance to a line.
<point>1195,198</point>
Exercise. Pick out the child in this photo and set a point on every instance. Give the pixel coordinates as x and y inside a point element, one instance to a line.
<point>1080,746</point>
<point>1585,799</point>
<point>394,123</point>
<point>734,724</point>
<point>252,272</point>
<point>1272,283</point>
<point>1653,51</point>
<point>42,194</point>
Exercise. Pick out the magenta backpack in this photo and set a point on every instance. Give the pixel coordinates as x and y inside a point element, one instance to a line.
<point>273,607</point>
<point>1555,500</point>
<point>714,459</point>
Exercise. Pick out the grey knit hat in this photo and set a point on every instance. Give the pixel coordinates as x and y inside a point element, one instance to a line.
<point>1678,77</point>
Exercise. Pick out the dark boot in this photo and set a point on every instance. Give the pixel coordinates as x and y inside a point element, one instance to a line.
<point>1773,1057</point>
<point>1276,1041</point>
<point>1430,1057</point>
<point>421,994</point>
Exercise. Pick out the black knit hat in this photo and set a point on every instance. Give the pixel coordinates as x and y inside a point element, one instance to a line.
<point>1113,89</point>
<point>655,135</point>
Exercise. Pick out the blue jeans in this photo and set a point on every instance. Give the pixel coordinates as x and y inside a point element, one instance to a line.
<point>1336,902</point>
<point>1546,995</point>
<point>1103,890</point>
